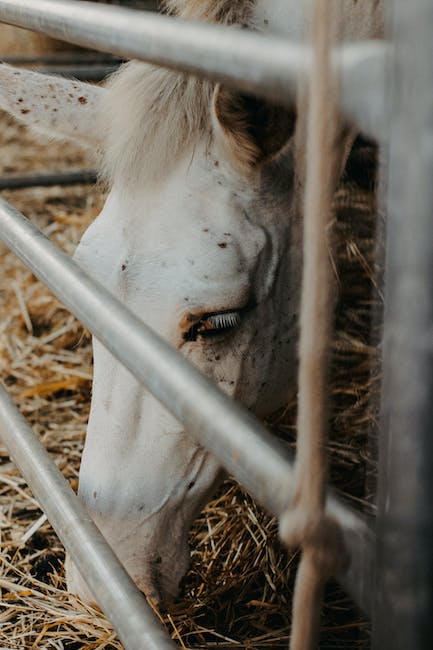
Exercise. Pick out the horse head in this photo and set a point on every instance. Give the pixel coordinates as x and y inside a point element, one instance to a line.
<point>208,255</point>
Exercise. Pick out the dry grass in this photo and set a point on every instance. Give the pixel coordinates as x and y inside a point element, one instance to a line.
<point>238,591</point>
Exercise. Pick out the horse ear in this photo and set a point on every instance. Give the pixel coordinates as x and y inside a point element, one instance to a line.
<point>253,130</point>
<point>53,107</point>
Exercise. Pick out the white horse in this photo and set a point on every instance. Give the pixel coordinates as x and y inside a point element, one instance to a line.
<point>200,237</point>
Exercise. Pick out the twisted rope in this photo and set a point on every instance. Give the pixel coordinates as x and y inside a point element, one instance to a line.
<point>307,525</point>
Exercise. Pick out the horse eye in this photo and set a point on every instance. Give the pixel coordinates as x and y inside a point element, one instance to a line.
<point>217,322</point>
<point>211,325</point>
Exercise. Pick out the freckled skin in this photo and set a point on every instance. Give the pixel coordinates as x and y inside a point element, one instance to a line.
<point>22,90</point>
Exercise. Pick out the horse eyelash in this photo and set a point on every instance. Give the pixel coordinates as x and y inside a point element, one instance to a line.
<point>210,324</point>
<point>223,321</point>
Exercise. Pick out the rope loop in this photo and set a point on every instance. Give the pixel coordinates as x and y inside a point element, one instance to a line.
<point>307,525</point>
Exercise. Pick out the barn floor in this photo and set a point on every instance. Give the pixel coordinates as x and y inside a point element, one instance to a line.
<point>238,591</point>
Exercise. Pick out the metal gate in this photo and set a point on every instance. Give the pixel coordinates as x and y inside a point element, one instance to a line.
<point>387,88</point>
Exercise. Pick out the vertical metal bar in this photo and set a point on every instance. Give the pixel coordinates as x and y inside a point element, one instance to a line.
<point>404,590</point>
<point>124,605</point>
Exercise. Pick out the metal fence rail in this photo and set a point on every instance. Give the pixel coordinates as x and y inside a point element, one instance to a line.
<point>62,59</point>
<point>70,177</point>
<point>403,616</point>
<point>268,66</point>
<point>82,73</point>
<point>113,589</point>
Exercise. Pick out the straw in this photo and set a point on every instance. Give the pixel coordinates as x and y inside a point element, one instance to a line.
<point>237,593</point>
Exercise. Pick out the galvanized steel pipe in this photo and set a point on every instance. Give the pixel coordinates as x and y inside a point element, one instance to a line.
<point>261,64</point>
<point>114,591</point>
<point>403,611</point>
<point>242,445</point>
<point>19,181</point>
<point>251,62</point>
<point>91,74</point>
<point>62,59</point>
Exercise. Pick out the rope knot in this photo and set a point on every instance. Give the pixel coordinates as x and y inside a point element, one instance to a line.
<point>320,535</point>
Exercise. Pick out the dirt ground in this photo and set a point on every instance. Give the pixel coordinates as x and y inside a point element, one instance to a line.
<point>238,590</point>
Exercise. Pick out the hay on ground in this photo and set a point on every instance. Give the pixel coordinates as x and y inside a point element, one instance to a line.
<point>237,593</point>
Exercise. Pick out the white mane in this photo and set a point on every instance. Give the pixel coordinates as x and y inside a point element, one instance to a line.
<point>151,115</point>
